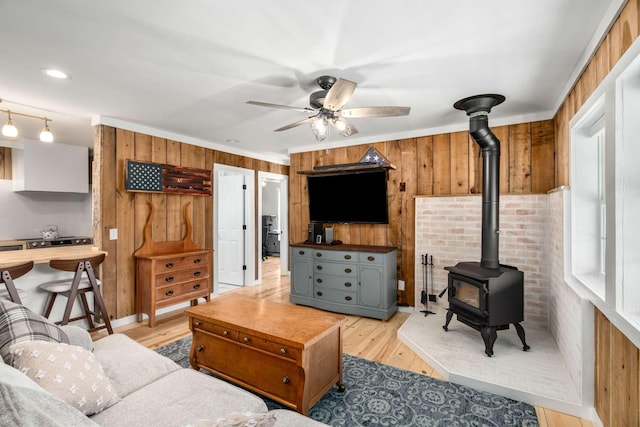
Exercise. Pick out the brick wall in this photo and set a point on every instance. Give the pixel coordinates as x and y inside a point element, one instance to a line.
<point>449,229</point>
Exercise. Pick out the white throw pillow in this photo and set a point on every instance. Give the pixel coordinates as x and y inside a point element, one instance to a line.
<point>69,372</point>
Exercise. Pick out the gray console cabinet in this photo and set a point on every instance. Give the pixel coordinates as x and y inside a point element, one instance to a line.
<point>350,279</point>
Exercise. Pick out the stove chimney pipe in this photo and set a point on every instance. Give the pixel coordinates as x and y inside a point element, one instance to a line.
<point>478,108</point>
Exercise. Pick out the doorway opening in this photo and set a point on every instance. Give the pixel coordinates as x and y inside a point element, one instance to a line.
<point>273,220</point>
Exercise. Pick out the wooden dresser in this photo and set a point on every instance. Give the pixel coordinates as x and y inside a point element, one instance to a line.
<point>289,353</point>
<point>168,273</point>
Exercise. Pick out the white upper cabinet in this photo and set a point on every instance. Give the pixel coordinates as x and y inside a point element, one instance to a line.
<point>54,167</point>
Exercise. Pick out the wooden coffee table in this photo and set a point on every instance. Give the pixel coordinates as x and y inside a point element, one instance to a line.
<point>291,354</point>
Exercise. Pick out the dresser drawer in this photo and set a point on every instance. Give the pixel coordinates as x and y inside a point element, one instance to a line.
<point>335,255</point>
<point>301,252</point>
<point>182,262</point>
<point>172,291</point>
<point>215,329</point>
<point>337,269</point>
<point>267,345</point>
<point>257,370</point>
<point>335,282</point>
<point>372,258</point>
<point>335,295</point>
<point>164,279</point>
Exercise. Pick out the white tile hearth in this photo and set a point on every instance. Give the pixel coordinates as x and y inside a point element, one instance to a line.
<point>538,376</point>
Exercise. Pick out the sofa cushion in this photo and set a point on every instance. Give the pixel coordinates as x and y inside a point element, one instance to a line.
<point>130,365</point>
<point>24,403</point>
<point>180,398</point>
<point>247,419</point>
<point>18,324</point>
<point>78,336</point>
<point>69,372</point>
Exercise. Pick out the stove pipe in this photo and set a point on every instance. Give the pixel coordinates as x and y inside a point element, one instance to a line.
<point>478,108</point>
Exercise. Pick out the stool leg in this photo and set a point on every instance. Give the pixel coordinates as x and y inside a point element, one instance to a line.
<point>87,310</point>
<point>97,296</point>
<point>52,299</point>
<point>13,293</point>
<point>73,293</point>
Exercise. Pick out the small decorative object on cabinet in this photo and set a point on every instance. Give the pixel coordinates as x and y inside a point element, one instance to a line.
<point>350,279</point>
<point>168,273</point>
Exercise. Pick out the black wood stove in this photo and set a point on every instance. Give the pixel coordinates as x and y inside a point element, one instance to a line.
<point>486,295</point>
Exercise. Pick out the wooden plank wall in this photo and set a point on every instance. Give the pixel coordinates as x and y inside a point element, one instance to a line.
<point>128,211</point>
<point>617,371</point>
<point>441,165</point>
<point>5,163</point>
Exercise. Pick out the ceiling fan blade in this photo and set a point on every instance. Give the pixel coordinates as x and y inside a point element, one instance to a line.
<point>294,124</point>
<point>284,107</point>
<point>339,94</point>
<point>375,112</point>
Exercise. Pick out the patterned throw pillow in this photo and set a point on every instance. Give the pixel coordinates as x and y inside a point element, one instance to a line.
<point>18,323</point>
<point>69,372</point>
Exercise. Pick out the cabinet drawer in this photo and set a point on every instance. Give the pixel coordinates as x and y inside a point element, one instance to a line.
<point>372,258</point>
<point>336,269</point>
<point>335,255</point>
<point>335,282</point>
<point>301,252</point>
<point>270,346</point>
<point>335,295</point>
<point>177,290</point>
<point>261,371</point>
<point>182,262</point>
<point>172,277</point>
<point>214,328</point>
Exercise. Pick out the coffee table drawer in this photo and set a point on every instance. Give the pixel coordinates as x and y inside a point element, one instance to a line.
<point>256,370</point>
<point>214,328</point>
<point>267,345</point>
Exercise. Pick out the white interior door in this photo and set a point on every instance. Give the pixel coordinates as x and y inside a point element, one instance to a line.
<point>231,231</point>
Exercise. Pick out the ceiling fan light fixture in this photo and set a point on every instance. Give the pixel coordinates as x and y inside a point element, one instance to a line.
<point>319,128</point>
<point>342,126</point>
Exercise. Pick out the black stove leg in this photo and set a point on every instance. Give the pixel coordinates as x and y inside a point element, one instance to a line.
<point>446,324</point>
<point>520,331</point>
<point>489,336</point>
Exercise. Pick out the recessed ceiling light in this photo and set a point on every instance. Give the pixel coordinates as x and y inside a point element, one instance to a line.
<point>232,141</point>
<point>57,74</point>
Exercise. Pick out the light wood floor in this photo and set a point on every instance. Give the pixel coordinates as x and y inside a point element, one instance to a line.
<point>363,337</point>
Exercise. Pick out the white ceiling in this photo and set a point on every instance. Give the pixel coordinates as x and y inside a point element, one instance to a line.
<point>185,69</point>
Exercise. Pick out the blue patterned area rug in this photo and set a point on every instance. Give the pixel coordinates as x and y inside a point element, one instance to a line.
<point>381,395</point>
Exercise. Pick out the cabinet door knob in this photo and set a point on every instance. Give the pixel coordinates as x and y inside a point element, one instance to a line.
<point>245,339</point>
<point>319,293</point>
<point>197,261</point>
<point>169,265</point>
<point>347,270</point>
<point>319,280</point>
<point>371,258</point>
<point>347,257</point>
<point>347,284</point>
<point>168,279</point>
<point>283,351</point>
<point>286,380</point>
<point>319,267</point>
<point>196,286</point>
<point>168,293</point>
<point>225,333</point>
<point>197,273</point>
<point>200,348</point>
<point>348,298</point>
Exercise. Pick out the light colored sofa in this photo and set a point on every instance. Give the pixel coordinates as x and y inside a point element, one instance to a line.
<point>152,390</point>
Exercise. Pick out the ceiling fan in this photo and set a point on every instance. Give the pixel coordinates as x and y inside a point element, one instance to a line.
<point>326,108</point>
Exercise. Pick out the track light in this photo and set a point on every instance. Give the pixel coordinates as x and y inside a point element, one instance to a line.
<point>11,131</point>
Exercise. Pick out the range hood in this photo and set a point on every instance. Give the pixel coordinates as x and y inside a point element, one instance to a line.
<point>53,167</point>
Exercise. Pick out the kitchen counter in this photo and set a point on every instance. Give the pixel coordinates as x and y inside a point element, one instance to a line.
<point>44,255</point>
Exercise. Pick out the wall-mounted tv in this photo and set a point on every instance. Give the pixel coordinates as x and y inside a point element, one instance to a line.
<point>354,197</point>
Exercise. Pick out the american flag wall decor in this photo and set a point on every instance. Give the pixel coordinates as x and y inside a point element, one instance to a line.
<point>159,178</point>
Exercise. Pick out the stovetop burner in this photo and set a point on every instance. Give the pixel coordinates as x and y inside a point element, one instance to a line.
<point>60,241</point>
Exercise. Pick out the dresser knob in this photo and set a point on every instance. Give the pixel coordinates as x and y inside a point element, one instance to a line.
<point>319,293</point>
<point>347,257</point>
<point>319,280</point>
<point>318,254</point>
<point>169,265</point>
<point>197,273</point>
<point>197,261</point>
<point>286,380</point>
<point>200,348</point>
<point>168,293</point>
<point>319,267</point>
<point>283,351</point>
<point>300,252</point>
<point>347,270</point>
<point>196,286</point>
<point>168,279</point>
<point>245,339</point>
<point>225,333</point>
<point>371,258</point>
<point>348,298</point>
<point>196,323</point>
<point>347,284</point>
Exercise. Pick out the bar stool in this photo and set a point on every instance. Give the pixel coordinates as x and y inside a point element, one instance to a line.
<point>76,287</point>
<point>7,274</point>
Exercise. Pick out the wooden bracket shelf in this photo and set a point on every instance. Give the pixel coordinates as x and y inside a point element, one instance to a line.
<point>346,168</point>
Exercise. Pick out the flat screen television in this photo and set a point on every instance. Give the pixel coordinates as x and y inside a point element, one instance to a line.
<point>356,197</point>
